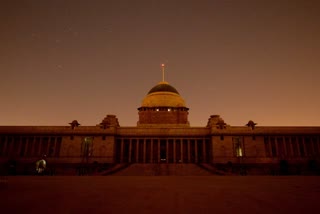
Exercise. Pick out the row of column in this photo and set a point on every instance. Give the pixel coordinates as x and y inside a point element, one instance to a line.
<point>292,146</point>
<point>162,150</point>
<point>22,146</point>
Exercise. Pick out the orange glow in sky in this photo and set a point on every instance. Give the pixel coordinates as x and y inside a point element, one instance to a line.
<point>67,60</point>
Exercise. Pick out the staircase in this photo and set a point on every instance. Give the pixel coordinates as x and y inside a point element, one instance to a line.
<point>162,169</point>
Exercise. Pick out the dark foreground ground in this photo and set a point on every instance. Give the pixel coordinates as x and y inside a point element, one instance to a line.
<point>151,194</point>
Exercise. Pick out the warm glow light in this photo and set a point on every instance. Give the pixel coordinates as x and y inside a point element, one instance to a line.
<point>162,65</point>
<point>240,152</point>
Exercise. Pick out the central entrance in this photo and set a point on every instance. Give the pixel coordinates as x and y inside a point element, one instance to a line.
<point>171,150</point>
<point>163,151</point>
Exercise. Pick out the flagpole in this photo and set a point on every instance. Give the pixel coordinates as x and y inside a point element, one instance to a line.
<point>162,72</point>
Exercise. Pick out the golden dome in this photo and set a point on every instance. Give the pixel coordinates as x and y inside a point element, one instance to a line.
<point>163,95</point>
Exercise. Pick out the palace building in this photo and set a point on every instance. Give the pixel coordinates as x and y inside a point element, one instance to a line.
<point>163,135</point>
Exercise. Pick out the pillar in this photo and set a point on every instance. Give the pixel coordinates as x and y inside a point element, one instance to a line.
<point>54,147</point>
<point>291,147</point>
<point>137,149</point>
<point>204,150</point>
<point>284,147</point>
<point>26,147</point>
<point>189,153</point>
<point>33,147</point>
<point>158,150</point>
<point>130,150</point>
<point>270,147</point>
<point>277,147</point>
<point>122,150</point>
<point>313,151</point>
<point>181,148</point>
<point>298,147</point>
<point>4,149</point>
<point>18,149</point>
<point>196,150</point>
<point>318,144</point>
<point>174,151</point>
<point>306,154</point>
<point>167,151</point>
<point>144,150</point>
<point>151,150</point>
<point>40,147</point>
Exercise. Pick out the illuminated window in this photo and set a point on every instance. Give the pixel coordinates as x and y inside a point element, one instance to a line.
<point>86,147</point>
<point>238,146</point>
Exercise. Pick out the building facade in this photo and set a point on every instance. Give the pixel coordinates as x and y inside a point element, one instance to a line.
<point>162,135</point>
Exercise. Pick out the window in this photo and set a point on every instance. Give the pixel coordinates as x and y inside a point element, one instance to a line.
<point>86,147</point>
<point>238,147</point>
<point>221,137</point>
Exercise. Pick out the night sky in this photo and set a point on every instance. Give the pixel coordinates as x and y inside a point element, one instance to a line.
<point>244,60</point>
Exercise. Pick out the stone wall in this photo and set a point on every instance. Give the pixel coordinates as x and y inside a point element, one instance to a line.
<point>163,117</point>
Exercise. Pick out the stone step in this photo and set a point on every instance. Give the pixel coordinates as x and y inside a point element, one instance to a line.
<point>163,170</point>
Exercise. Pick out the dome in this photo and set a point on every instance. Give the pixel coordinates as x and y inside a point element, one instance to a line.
<point>163,86</point>
<point>163,95</point>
